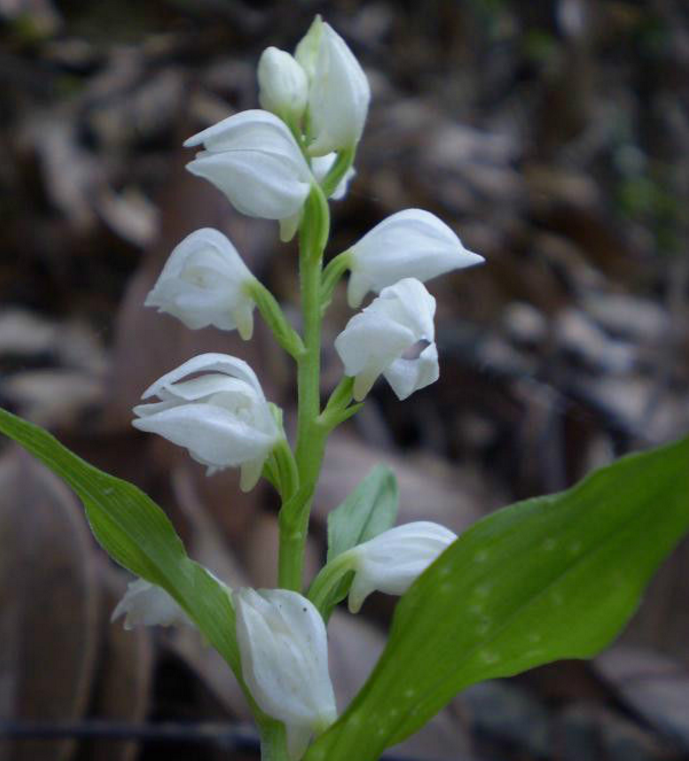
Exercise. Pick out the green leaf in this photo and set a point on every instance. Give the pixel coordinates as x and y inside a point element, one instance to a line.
<point>549,578</point>
<point>136,533</point>
<point>368,511</point>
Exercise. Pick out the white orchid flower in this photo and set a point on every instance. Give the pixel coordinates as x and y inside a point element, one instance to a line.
<point>391,561</point>
<point>145,604</point>
<point>394,336</point>
<point>253,158</point>
<point>284,654</point>
<point>204,283</point>
<point>221,417</point>
<point>339,92</point>
<point>283,85</point>
<point>411,243</point>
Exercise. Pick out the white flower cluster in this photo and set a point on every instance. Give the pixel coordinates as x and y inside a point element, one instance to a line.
<point>268,162</point>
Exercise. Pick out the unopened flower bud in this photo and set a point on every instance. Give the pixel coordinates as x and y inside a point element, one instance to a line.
<point>221,417</point>
<point>204,283</point>
<point>391,561</point>
<point>284,655</point>
<point>394,336</point>
<point>411,243</point>
<point>306,53</point>
<point>283,85</point>
<point>339,92</point>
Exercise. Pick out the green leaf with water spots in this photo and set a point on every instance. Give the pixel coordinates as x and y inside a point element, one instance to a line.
<point>136,533</point>
<point>545,579</point>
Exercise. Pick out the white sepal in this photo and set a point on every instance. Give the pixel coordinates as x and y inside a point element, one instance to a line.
<point>375,341</point>
<point>391,561</point>
<point>283,85</point>
<point>203,283</point>
<point>289,227</point>
<point>254,159</point>
<point>339,92</point>
<point>411,243</point>
<point>145,604</point>
<point>221,417</point>
<point>284,654</point>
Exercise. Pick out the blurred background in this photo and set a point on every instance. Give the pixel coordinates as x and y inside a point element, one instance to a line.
<point>552,135</point>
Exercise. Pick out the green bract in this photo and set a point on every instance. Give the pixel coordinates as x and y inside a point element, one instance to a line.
<point>368,511</point>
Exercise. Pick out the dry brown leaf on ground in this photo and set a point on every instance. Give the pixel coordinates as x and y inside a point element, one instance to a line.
<point>54,370</point>
<point>207,546</point>
<point>50,602</point>
<point>122,691</point>
<point>662,623</point>
<point>429,490</point>
<point>586,730</point>
<point>653,686</point>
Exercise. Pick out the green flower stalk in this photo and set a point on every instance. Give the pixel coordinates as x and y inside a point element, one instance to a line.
<point>273,164</point>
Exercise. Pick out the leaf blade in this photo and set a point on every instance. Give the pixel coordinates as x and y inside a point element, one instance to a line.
<point>590,550</point>
<point>137,534</point>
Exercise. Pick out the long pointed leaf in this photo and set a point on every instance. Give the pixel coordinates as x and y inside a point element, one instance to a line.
<point>137,534</point>
<point>550,578</point>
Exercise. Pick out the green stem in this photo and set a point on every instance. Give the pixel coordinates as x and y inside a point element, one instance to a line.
<point>292,540</point>
<point>273,744</point>
<point>311,434</point>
